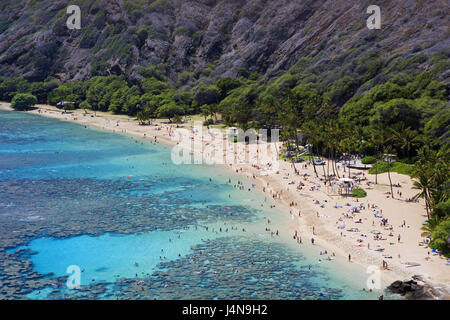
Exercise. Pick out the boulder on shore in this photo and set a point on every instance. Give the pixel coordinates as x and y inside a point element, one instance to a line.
<point>417,289</point>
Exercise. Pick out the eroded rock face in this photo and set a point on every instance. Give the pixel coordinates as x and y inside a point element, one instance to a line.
<point>418,289</point>
<point>187,36</point>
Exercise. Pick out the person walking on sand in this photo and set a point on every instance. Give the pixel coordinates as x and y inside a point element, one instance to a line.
<point>349,258</point>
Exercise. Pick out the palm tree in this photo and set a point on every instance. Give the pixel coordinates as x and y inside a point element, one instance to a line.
<point>389,155</point>
<point>423,183</point>
<point>379,137</point>
<point>440,167</point>
<point>432,176</point>
<point>311,130</point>
<point>375,140</point>
<point>429,227</point>
<point>334,133</point>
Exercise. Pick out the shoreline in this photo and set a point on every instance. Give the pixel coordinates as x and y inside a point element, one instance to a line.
<point>322,219</point>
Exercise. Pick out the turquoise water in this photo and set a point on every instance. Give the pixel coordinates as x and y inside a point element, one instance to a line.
<point>138,226</point>
<point>107,257</point>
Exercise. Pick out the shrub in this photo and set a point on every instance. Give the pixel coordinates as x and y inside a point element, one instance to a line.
<point>440,236</point>
<point>182,31</point>
<point>159,6</point>
<point>143,116</point>
<point>23,101</point>
<point>368,160</point>
<point>359,193</point>
<point>382,167</point>
<point>243,72</point>
<point>254,76</point>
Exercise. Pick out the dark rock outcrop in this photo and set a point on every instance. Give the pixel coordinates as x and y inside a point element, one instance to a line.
<point>418,289</point>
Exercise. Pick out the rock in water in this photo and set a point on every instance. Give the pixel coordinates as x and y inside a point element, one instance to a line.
<point>418,289</point>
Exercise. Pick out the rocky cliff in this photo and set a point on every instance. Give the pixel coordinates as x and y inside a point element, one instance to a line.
<point>206,39</point>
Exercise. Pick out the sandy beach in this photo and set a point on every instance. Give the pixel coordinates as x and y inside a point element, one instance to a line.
<point>313,210</point>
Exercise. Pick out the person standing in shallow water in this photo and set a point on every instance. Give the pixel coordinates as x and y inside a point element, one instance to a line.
<point>349,258</point>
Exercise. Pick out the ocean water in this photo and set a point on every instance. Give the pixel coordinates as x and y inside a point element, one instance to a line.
<point>140,227</point>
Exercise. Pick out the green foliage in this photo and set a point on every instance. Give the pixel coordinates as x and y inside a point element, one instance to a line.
<point>184,78</point>
<point>359,193</point>
<point>101,91</point>
<point>170,110</point>
<point>382,167</point>
<point>125,100</point>
<point>134,8</point>
<point>420,97</point>
<point>69,91</point>
<point>23,101</point>
<point>438,127</point>
<point>368,160</point>
<point>254,76</point>
<point>160,5</point>
<point>207,95</point>
<point>151,71</point>
<point>395,111</point>
<point>243,72</point>
<point>440,236</point>
<point>400,63</point>
<point>441,211</point>
<point>144,116</point>
<point>237,107</point>
<point>42,90</point>
<point>9,87</point>
<point>85,105</point>
<point>209,70</point>
<point>432,176</point>
<point>183,31</point>
<point>342,90</point>
<point>154,86</point>
<point>225,85</point>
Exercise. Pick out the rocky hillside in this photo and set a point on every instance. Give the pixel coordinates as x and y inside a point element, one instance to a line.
<point>208,39</point>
